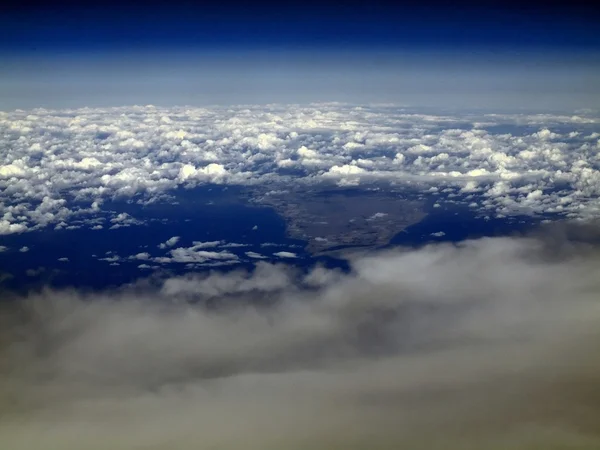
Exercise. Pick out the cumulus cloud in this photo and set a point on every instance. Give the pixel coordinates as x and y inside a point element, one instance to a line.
<point>123,220</point>
<point>169,242</point>
<point>212,172</point>
<point>487,344</point>
<point>10,228</point>
<point>95,154</point>
<point>141,256</point>
<point>207,244</point>
<point>376,216</point>
<point>255,255</point>
<point>285,254</point>
<point>195,254</point>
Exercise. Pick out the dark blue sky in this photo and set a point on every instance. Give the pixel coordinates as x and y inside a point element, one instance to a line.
<point>109,25</point>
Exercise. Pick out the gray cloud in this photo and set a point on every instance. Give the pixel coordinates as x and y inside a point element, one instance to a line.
<point>486,344</point>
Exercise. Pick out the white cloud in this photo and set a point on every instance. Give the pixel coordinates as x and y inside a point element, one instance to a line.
<point>3,248</point>
<point>140,154</point>
<point>307,153</point>
<point>169,242</point>
<point>123,220</point>
<point>194,254</point>
<point>255,255</point>
<point>111,259</point>
<point>208,244</point>
<point>285,255</point>
<point>346,169</point>
<point>6,227</point>
<point>24,249</point>
<point>233,245</point>
<point>212,172</point>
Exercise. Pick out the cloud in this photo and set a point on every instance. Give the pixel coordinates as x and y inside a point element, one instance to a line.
<point>24,249</point>
<point>195,254</point>
<point>234,245</point>
<point>4,276</point>
<point>285,254</point>
<point>98,154</point>
<point>169,242</point>
<point>346,169</point>
<point>144,256</point>
<point>35,272</point>
<point>376,216</point>
<point>123,220</point>
<point>111,259</point>
<point>486,344</point>
<point>212,172</point>
<point>208,244</point>
<point>255,255</point>
<point>10,228</point>
<point>266,278</point>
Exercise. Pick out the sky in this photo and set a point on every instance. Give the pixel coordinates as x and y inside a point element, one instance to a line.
<point>484,55</point>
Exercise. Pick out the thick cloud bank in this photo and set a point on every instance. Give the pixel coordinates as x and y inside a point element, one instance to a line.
<point>491,344</point>
<point>58,167</point>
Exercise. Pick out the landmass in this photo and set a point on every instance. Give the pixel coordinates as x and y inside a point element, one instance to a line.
<point>331,217</point>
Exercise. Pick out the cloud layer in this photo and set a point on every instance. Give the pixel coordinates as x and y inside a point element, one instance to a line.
<point>58,166</point>
<point>487,344</point>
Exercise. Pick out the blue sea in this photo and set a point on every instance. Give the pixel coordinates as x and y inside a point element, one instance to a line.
<point>209,213</point>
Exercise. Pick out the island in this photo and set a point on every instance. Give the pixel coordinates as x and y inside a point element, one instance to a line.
<point>331,217</point>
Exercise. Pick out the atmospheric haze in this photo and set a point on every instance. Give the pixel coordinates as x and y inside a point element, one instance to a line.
<point>489,343</point>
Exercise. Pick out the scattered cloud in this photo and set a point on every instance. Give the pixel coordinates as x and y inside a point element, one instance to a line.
<point>195,254</point>
<point>208,244</point>
<point>515,163</point>
<point>123,220</point>
<point>378,215</point>
<point>111,259</point>
<point>233,245</point>
<point>144,256</point>
<point>169,242</point>
<point>255,255</point>
<point>35,272</point>
<point>285,254</point>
